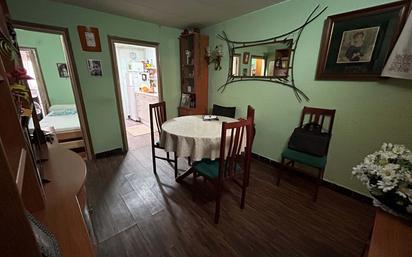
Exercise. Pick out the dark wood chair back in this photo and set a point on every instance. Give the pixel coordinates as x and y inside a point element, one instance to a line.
<point>319,116</point>
<point>232,161</point>
<point>219,110</point>
<point>251,116</point>
<point>157,117</point>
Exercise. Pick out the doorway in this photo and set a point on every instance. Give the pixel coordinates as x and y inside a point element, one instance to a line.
<point>48,58</point>
<point>257,66</point>
<point>138,84</point>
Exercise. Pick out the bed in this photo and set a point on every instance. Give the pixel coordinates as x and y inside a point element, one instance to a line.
<point>64,121</point>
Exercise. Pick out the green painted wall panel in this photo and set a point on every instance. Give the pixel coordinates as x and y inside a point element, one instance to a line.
<point>368,113</point>
<point>99,92</point>
<point>50,52</point>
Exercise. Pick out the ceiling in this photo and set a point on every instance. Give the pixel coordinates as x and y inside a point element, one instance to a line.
<point>176,13</point>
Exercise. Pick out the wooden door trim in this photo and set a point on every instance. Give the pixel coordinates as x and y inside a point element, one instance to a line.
<point>74,76</point>
<point>112,40</point>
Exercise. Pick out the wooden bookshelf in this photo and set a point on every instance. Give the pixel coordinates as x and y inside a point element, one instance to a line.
<point>194,74</point>
<point>282,62</point>
<point>57,205</point>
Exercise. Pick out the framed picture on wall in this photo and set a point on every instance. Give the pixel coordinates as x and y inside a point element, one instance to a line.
<point>95,67</point>
<point>89,38</point>
<point>246,57</point>
<point>355,45</point>
<point>62,70</point>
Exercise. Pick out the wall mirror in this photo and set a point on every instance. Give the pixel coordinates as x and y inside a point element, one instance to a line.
<point>268,60</point>
<point>262,60</point>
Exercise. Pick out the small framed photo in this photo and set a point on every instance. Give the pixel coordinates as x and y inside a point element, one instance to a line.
<point>62,69</point>
<point>246,57</point>
<point>185,101</point>
<point>95,67</point>
<point>355,45</point>
<point>89,38</point>
<point>244,72</point>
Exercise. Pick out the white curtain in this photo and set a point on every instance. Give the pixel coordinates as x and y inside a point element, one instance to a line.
<point>399,64</point>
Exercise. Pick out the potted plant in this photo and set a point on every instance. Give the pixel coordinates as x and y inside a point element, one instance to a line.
<point>387,174</point>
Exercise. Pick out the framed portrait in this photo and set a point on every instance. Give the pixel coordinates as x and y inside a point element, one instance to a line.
<point>95,67</point>
<point>246,57</point>
<point>62,70</point>
<point>356,45</point>
<point>89,38</point>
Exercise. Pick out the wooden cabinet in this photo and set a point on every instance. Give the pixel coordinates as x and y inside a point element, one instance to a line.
<point>193,74</point>
<point>55,204</point>
<point>391,236</point>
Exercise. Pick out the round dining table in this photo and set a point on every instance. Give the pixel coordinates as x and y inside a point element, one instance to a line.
<point>191,136</point>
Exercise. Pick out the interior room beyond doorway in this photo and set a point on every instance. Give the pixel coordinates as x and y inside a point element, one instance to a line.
<point>137,69</point>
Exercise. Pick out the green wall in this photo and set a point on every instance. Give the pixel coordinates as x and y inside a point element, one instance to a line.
<point>98,92</point>
<point>368,113</point>
<point>50,52</point>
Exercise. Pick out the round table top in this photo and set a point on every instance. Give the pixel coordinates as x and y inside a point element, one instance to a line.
<point>191,136</point>
<point>195,127</point>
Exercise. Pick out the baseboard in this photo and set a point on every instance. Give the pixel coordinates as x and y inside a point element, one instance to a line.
<point>116,151</point>
<point>337,188</point>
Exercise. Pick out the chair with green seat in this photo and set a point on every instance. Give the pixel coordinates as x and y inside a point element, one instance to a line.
<point>233,163</point>
<point>325,118</point>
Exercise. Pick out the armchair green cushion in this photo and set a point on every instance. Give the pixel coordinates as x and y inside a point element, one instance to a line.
<point>304,158</point>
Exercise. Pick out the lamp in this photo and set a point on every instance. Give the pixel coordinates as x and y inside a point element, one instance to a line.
<point>214,56</point>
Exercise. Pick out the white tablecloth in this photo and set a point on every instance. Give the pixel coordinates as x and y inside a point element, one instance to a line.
<point>190,136</point>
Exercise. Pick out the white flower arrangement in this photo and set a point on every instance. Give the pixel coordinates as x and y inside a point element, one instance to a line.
<point>387,174</point>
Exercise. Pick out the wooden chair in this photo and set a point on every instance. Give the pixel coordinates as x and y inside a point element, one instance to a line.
<point>224,111</point>
<point>158,117</point>
<point>251,116</point>
<point>231,164</point>
<point>318,116</point>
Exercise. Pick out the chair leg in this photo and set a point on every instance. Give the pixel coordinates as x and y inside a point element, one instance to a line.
<point>318,181</point>
<point>154,159</point>
<point>280,171</point>
<point>189,161</point>
<point>176,173</point>
<point>217,210</point>
<point>167,156</point>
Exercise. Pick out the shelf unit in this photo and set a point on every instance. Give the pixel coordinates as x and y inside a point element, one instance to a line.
<point>57,205</point>
<point>282,57</point>
<point>193,74</point>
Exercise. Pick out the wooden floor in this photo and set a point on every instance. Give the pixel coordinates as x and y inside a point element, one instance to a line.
<point>135,213</point>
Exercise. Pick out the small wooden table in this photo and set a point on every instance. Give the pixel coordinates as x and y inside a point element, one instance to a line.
<point>391,236</point>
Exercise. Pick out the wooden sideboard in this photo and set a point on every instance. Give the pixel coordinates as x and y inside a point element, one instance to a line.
<point>391,236</point>
<point>65,200</point>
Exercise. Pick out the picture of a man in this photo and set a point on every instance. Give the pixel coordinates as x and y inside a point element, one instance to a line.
<point>354,51</point>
